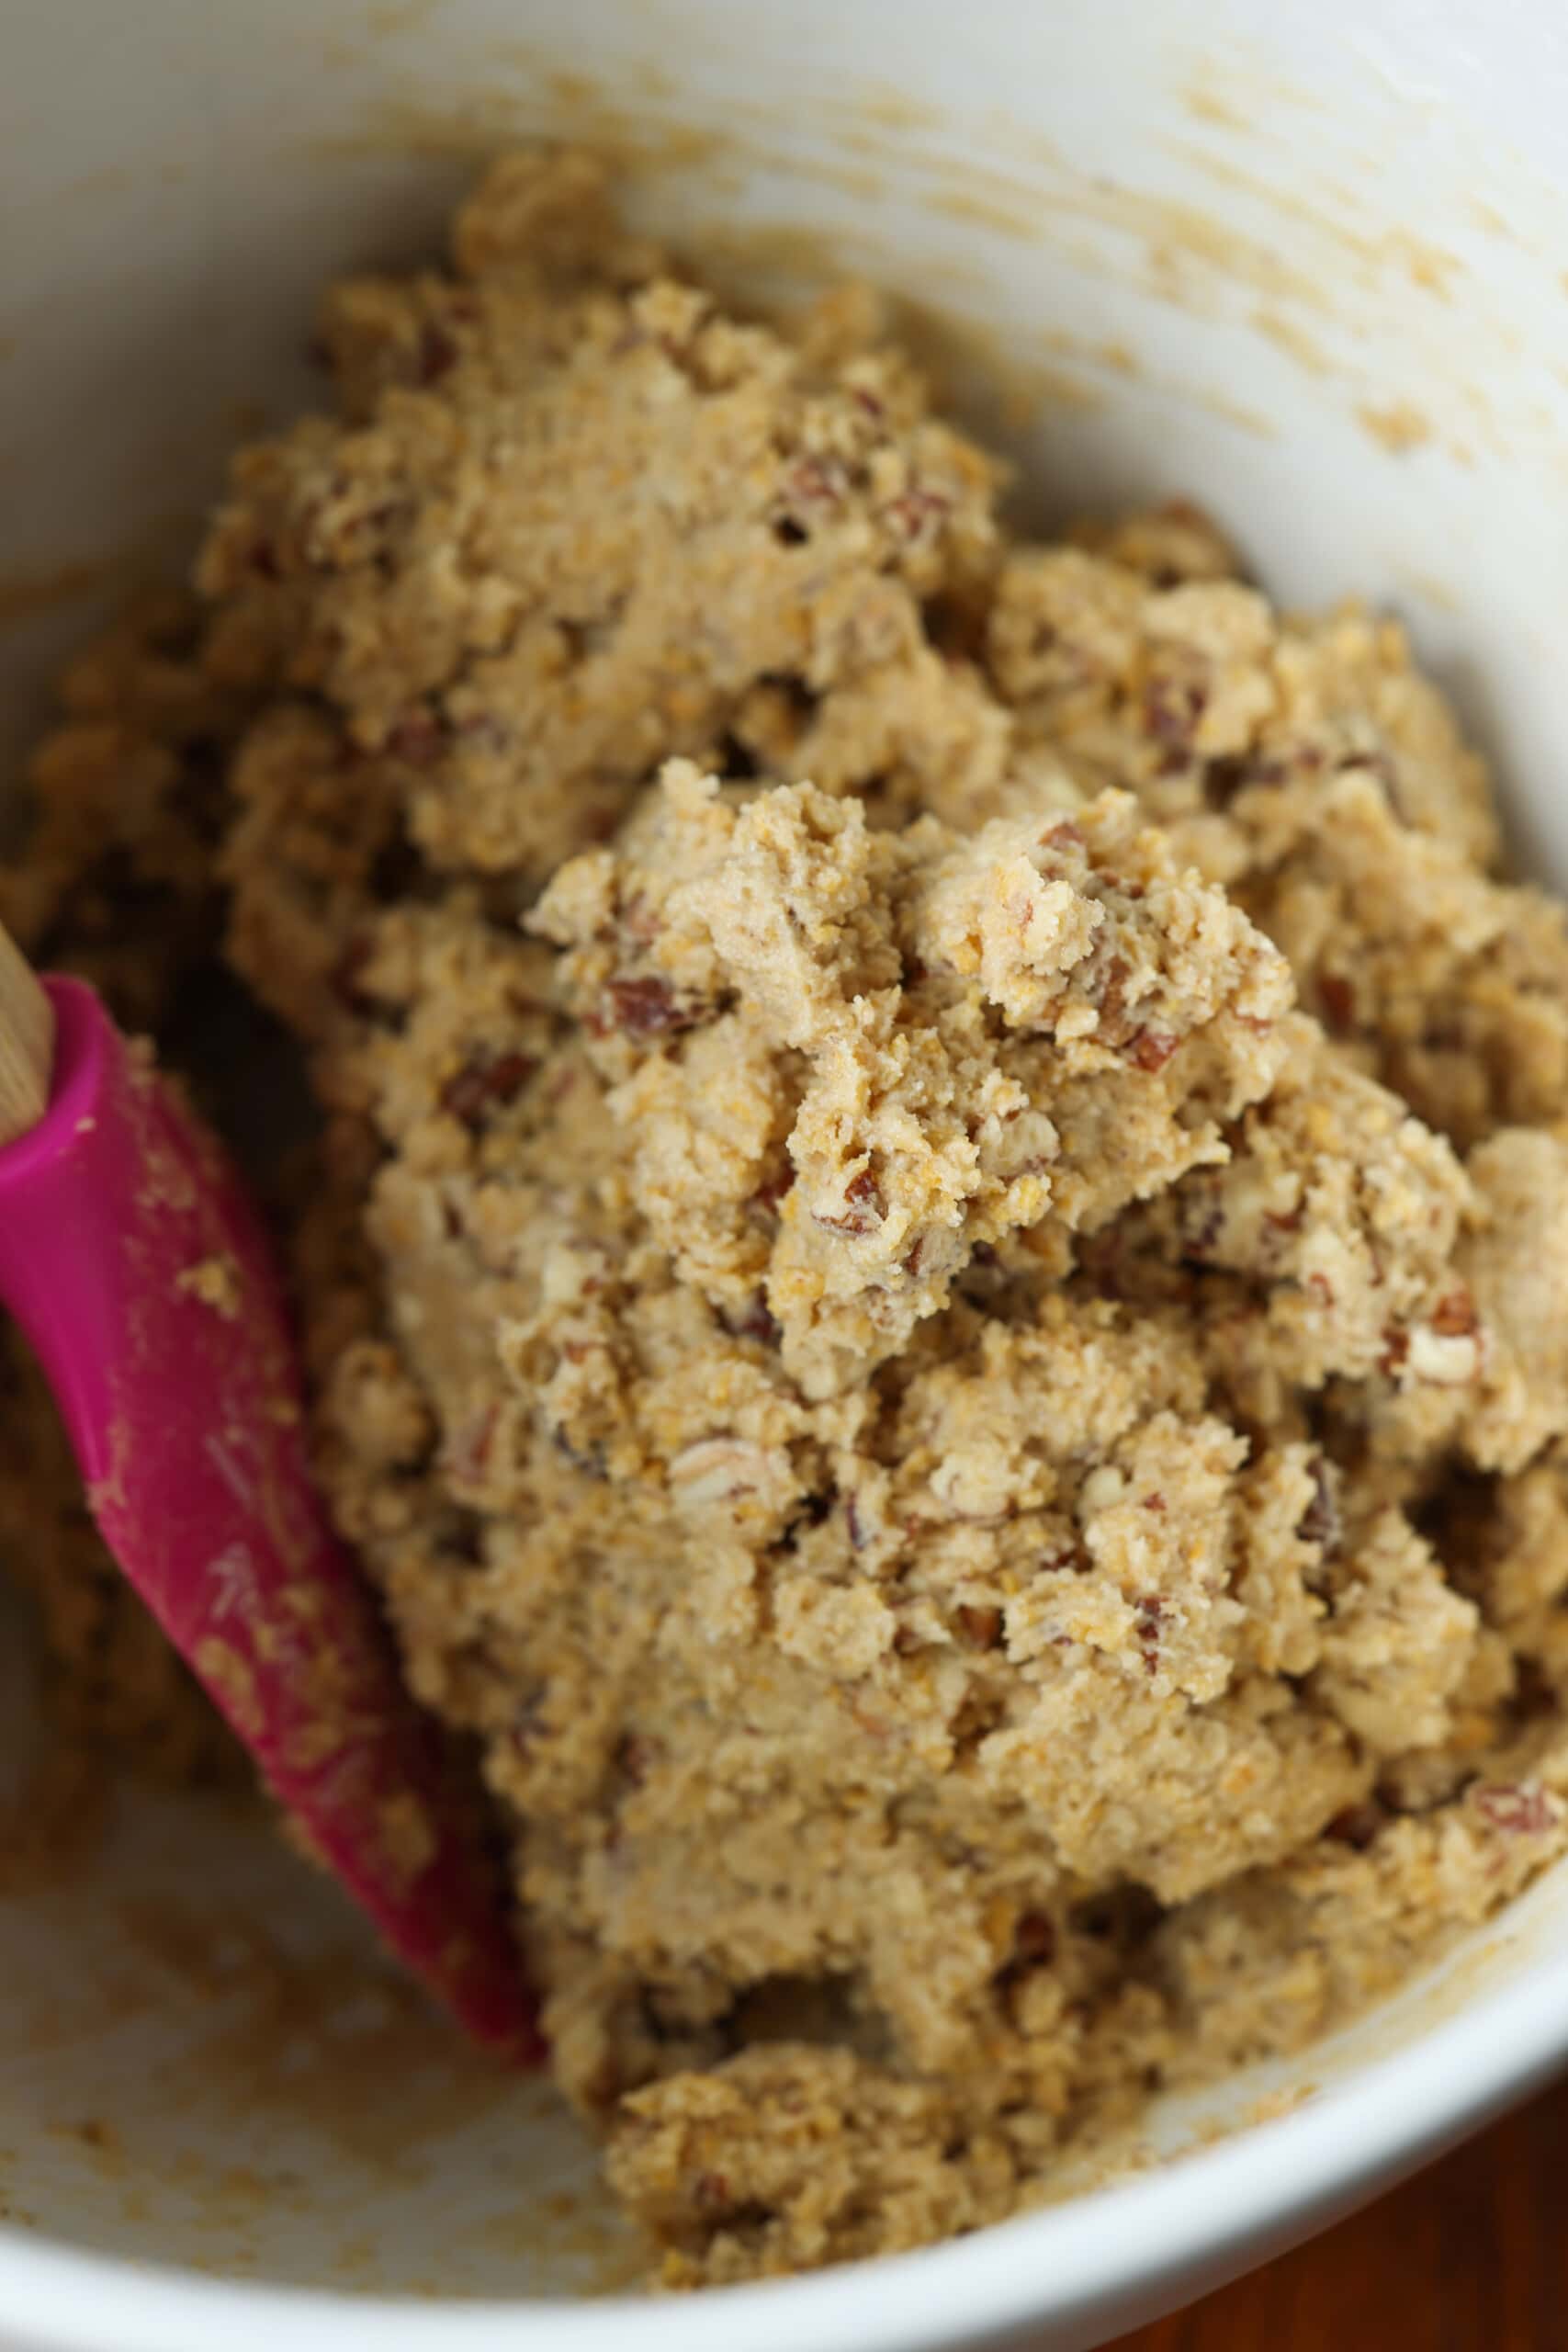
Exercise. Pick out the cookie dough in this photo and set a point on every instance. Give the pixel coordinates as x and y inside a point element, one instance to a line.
<point>938,1259</point>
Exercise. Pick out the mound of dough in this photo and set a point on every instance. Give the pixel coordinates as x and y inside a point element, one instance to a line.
<point>938,1263</point>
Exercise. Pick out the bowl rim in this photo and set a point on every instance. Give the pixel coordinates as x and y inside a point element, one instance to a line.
<point>1107,2255</point>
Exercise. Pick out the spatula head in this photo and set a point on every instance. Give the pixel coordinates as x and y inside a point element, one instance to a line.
<point>131,1257</point>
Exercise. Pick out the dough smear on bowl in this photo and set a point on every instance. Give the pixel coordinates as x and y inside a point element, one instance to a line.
<point>937,1266</point>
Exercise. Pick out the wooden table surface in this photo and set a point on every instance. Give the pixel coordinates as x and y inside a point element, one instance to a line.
<point>1470,2256</point>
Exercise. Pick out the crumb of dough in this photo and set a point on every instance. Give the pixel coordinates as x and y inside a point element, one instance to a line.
<point>936,1265</point>
<point>217,1282</point>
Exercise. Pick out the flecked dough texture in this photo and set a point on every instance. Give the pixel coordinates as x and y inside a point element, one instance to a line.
<point>939,1260</point>
<point>938,1042</point>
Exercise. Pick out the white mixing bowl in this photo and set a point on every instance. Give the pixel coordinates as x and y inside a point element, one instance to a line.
<point>1305,261</point>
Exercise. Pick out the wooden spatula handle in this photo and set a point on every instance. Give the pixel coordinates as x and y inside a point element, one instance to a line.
<point>26,1043</point>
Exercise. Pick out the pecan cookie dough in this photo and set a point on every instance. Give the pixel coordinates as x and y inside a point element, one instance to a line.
<point>938,1261</point>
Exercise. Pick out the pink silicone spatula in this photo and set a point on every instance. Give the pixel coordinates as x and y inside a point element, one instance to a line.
<point>130,1259</point>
